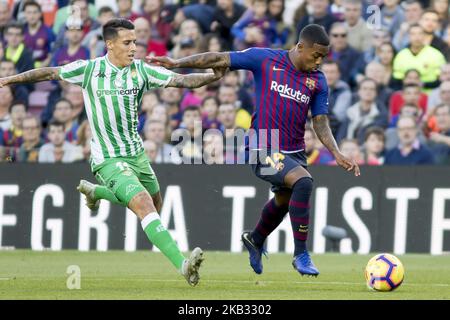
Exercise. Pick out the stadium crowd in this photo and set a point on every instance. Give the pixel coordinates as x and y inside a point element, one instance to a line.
<point>388,73</point>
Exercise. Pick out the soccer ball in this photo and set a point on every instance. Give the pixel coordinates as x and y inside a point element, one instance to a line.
<point>384,272</point>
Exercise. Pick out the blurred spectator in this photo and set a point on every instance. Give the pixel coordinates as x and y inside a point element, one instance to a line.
<point>73,50</point>
<point>314,153</point>
<point>434,97</point>
<point>155,131</point>
<point>440,141</point>
<point>212,42</point>
<point>442,8</point>
<point>58,149</point>
<point>425,59</point>
<point>363,114</point>
<point>12,138</point>
<point>359,35</point>
<point>225,16</point>
<point>285,34</point>
<point>189,37</point>
<point>410,94</point>
<point>63,113</point>
<point>152,10</point>
<point>15,50</point>
<point>228,95</point>
<point>213,148</point>
<point>171,97</point>
<point>49,9</point>
<point>5,18</point>
<point>32,141</point>
<point>409,151</point>
<point>339,95</point>
<point>337,9</point>
<point>38,37</point>
<point>5,103</point>
<point>94,39</point>
<point>125,10</point>
<point>254,28</point>
<point>83,14</point>
<point>392,15</point>
<point>144,35</point>
<point>2,50</point>
<point>150,99</point>
<point>84,136</point>
<point>150,150</point>
<point>373,149</point>
<point>319,14</point>
<point>413,11</point>
<point>379,36</point>
<point>391,134</point>
<point>340,51</point>
<point>244,99</point>
<point>385,54</point>
<point>194,97</point>
<point>7,69</point>
<point>189,146</point>
<point>227,116</point>
<point>209,108</point>
<point>375,71</point>
<point>407,110</point>
<point>350,148</point>
<point>430,25</point>
<point>202,13</point>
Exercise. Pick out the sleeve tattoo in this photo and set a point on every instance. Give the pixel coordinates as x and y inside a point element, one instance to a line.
<point>205,60</point>
<point>35,75</point>
<point>193,80</point>
<point>323,132</point>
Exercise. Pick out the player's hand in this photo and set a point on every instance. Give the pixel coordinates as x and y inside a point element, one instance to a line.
<point>163,61</point>
<point>348,164</point>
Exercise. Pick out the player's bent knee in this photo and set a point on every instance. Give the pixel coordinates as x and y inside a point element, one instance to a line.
<point>305,184</point>
<point>142,204</point>
<point>295,175</point>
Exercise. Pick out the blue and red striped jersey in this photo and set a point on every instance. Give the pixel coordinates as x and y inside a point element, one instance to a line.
<point>283,96</point>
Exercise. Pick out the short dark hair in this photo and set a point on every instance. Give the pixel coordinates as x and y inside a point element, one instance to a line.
<point>55,123</point>
<point>367,79</point>
<point>15,25</point>
<point>192,108</point>
<point>104,10</point>
<point>113,26</point>
<point>314,33</point>
<point>16,103</point>
<point>378,131</point>
<point>32,3</point>
<point>63,100</point>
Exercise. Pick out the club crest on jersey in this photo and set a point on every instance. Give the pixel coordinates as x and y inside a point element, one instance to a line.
<point>310,83</point>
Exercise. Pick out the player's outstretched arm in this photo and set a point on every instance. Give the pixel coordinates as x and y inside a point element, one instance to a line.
<point>322,128</point>
<point>195,80</point>
<point>199,61</point>
<point>35,75</point>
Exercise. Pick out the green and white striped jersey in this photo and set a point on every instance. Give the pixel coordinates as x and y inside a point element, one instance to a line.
<point>111,97</point>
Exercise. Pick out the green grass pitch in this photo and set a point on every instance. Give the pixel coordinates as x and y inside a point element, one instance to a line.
<point>26,274</point>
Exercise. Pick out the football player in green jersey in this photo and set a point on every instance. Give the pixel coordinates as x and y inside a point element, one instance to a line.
<point>113,86</point>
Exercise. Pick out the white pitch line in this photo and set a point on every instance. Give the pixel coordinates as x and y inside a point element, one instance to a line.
<point>4,279</point>
<point>272,281</point>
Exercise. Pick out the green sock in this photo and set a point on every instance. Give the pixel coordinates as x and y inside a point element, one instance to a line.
<point>102,192</point>
<point>161,238</point>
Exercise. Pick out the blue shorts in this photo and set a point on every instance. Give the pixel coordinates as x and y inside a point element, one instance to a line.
<point>274,166</point>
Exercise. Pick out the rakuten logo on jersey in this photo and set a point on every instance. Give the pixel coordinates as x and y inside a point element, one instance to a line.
<point>289,93</point>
